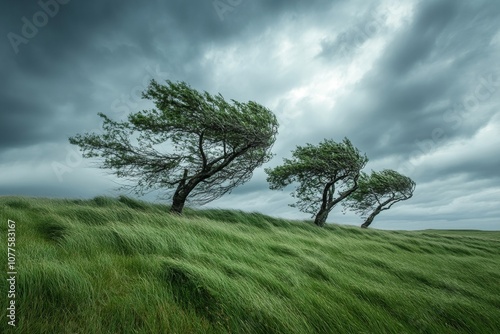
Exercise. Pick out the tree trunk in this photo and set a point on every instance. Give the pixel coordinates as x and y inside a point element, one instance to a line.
<point>180,196</point>
<point>321,217</point>
<point>178,201</point>
<point>370,218</point>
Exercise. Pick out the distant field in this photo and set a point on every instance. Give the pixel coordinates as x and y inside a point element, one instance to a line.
<point>124,266</point>
<point>495,235</point>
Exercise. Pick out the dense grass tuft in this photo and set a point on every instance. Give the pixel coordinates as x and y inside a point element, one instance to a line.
<point>52,228</point>
<point>104,202</point>
<point>133,203</point>
<point>109,265</point>
<point>17,203</point>
<point>190,292</point>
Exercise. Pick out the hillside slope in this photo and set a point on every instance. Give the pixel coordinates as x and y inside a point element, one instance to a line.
<point>123,266</point>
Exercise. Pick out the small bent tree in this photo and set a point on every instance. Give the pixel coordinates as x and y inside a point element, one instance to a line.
<point>326,174</point>
<point>379,192</point>
<point>195,146</point>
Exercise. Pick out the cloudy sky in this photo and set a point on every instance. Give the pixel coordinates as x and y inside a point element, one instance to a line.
<point>416,86</point>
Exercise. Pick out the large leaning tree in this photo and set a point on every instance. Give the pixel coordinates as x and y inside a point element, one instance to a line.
<point>379,192</point>
<point>194,146</point>
<point>325,175</point>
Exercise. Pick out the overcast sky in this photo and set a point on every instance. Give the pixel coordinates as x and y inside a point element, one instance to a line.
<point>416,86</point>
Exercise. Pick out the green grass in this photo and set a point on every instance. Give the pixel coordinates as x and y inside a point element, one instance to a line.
<point>124,266</point>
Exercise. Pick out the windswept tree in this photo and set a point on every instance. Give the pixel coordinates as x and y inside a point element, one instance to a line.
<point>379,192</point>
<point>326,174</point>
<point>194,146</point>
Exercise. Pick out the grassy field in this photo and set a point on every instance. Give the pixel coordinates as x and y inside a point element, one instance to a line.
<point>122,266</point>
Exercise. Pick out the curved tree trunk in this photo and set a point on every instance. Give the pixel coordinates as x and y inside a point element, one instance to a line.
<point>329,203</point>
<point>178,202</point>
<point>370,218</point>
<point>180,195</point>
<point>321,217</point>
<point>184,188</point>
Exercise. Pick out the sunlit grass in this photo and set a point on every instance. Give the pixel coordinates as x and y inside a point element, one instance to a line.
<point>124,266</point>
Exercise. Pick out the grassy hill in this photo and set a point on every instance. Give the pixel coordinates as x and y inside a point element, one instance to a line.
<point>123,266</point>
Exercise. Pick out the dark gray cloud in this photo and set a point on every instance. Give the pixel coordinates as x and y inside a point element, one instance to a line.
<point>415,85</point>
<point>421,82</point>
<point>348,38</point>
<point>415,45</point>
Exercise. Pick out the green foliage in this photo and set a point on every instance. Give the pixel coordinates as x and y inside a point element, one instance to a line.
<point>224,273</point>
<point>196,144</point>
<point>322,172</point>
<point>379,192</point>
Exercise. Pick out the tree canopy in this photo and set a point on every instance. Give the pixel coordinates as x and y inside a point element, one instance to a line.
<point>193,146</point>
<point>379,192</point>
<point>326,174</point>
